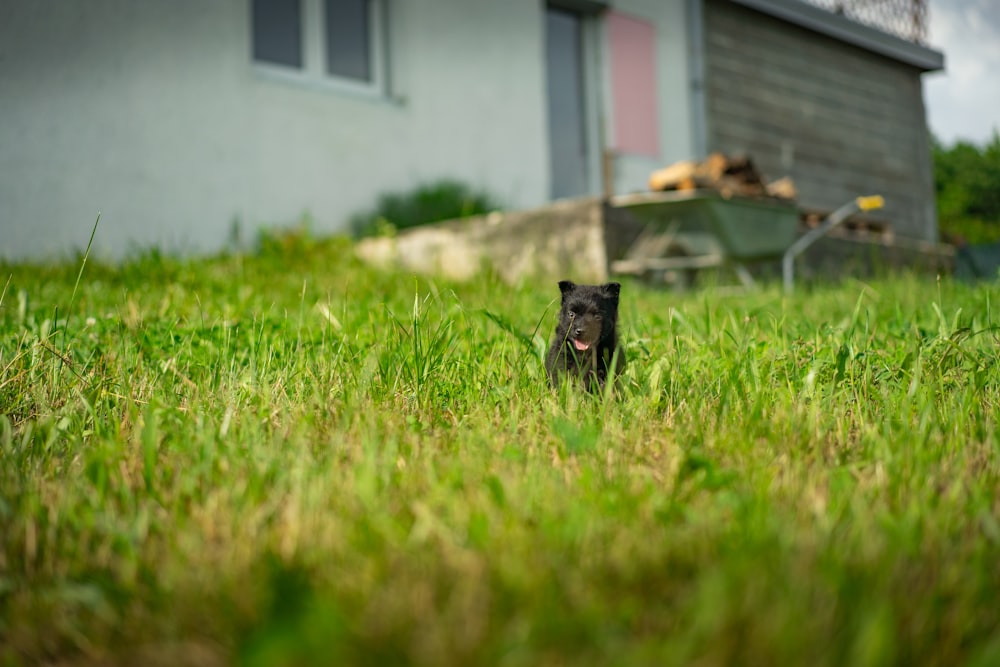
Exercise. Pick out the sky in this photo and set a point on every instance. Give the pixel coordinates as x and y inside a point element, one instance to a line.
<point>963,102</point>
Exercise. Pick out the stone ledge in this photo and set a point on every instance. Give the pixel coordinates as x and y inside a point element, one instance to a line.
<point>564,239</point>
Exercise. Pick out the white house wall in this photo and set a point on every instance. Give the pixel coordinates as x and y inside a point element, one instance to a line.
<point>153,113</point>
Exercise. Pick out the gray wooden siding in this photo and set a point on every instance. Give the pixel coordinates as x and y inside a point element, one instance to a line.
<point>838,119</point>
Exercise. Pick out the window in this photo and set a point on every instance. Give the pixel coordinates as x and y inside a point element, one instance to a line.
<point>329,41</point>
<point>277,32</point>
<point>348,28</point>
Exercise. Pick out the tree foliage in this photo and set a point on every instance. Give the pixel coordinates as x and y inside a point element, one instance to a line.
<point>967,185</point>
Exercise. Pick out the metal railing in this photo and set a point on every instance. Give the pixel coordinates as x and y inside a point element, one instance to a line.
<point>902,18</point>
<point>869,203</point>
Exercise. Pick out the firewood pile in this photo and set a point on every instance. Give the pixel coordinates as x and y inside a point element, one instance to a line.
<point>728,175</point>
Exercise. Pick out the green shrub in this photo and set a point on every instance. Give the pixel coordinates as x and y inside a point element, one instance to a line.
<point>967,184</point>
<point>432,202</point>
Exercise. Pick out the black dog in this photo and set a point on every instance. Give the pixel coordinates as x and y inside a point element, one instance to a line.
<point>586,340</point>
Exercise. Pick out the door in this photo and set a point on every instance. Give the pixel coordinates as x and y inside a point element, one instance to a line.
<point>567,113</point>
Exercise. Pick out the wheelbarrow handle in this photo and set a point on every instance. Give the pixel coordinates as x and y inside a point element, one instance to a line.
<point>866,203</point>
<point>870,203</point>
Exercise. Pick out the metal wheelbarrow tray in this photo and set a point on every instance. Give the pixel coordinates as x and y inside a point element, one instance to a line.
<point>700,229</point>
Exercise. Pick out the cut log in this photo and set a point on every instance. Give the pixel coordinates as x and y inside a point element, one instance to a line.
<point>783,188</point>
<point>728,175</point>
<point>669,178</point>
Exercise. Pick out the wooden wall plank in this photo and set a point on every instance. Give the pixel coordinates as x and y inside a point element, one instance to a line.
<point>838,119</point>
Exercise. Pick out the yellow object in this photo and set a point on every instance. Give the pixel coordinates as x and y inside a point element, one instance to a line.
<point>871,203</point>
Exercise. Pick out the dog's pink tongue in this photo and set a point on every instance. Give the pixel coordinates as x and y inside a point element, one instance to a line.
<point>580,345</point>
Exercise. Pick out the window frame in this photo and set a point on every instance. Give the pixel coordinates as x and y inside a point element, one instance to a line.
<point>313,72</point>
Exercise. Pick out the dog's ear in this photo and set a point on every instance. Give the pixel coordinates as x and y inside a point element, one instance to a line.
<point>566,286</point>
<point>612,290</point>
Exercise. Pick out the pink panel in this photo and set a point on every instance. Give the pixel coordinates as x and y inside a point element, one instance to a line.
<point>633,84</point>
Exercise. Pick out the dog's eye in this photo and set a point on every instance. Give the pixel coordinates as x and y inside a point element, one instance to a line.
<point>597,316</point>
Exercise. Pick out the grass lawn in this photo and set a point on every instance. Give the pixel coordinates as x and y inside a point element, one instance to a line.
<point>288,459</point>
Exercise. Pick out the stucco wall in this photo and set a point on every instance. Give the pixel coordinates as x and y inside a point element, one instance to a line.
<point>153,113</point>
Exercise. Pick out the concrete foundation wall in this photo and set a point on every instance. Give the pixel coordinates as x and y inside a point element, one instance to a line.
<point>565,239</point>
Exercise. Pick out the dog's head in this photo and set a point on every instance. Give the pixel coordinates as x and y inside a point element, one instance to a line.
<point>588,312</point>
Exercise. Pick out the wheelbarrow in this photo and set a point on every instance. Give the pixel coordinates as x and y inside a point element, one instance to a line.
<point>685,232</point>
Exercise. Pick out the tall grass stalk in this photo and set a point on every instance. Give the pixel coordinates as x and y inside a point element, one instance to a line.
<point>72,299</point>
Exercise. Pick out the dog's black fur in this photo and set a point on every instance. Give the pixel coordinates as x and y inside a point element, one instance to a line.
<point>586,339</point>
